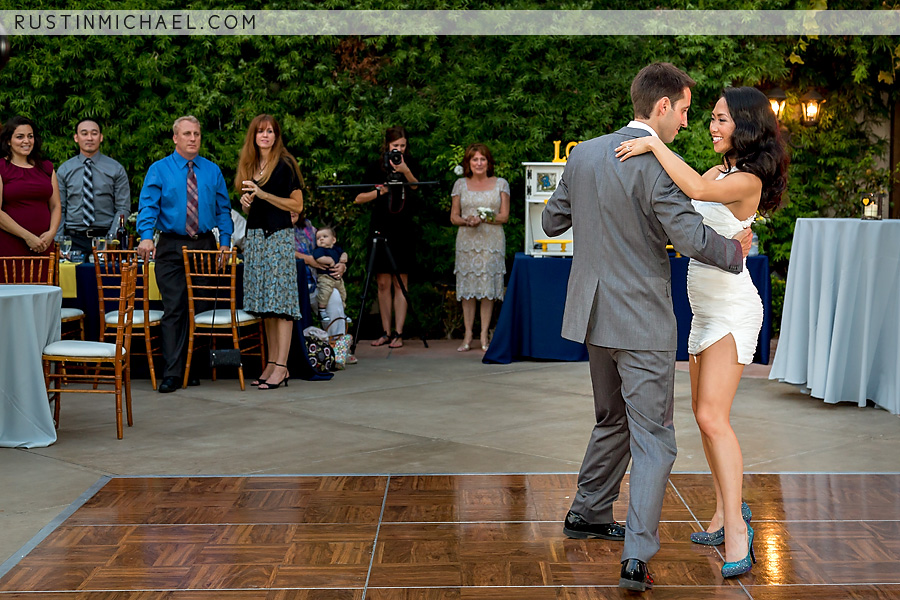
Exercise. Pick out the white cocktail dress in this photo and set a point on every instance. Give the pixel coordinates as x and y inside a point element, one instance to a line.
<point>723,302</point>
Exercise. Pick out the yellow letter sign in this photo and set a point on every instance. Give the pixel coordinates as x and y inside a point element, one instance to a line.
<point>556,145</point>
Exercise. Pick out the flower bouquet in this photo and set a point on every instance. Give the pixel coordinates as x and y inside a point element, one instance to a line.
<point>485,214</point>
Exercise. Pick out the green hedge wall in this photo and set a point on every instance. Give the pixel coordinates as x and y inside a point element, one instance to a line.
<point>335,96</point>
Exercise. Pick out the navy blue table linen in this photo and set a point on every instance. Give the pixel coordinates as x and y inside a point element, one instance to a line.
<point>530,319</point>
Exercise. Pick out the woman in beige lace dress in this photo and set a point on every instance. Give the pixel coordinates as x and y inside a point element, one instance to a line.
<point>480,206</point>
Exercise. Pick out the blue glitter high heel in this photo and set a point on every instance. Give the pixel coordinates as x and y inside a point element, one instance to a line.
<point>733,569</point>
<point>717,537</point>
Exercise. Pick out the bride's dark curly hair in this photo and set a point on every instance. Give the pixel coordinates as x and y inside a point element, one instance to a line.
<point>756,145</point>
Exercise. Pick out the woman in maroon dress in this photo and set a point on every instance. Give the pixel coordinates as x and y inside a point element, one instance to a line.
<point>29,193</point>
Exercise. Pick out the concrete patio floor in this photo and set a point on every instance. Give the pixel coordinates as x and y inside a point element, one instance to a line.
<point>412,410</point>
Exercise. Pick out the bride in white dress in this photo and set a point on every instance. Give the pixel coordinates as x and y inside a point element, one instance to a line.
<point>727,308</point>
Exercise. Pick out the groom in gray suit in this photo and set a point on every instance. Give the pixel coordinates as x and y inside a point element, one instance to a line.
<point>619,302</point>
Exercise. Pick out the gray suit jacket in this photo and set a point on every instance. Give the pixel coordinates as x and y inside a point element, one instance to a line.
<point>622,214</point>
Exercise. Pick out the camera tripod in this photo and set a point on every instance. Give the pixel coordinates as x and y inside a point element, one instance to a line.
<point>379,240</point>
<point>380,243</point>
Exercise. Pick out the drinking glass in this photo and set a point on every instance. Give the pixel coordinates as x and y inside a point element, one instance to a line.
<point>65,246</point>
<point>99,244</point>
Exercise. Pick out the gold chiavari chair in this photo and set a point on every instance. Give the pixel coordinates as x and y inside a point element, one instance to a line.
<point>210,276</point>
<point>96,363</point>
<point>108,266</point>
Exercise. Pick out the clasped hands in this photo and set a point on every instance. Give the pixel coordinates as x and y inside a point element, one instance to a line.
<point>39,243</point>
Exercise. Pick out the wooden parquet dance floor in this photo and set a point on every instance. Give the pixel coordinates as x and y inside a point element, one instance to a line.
<point>424,537</point>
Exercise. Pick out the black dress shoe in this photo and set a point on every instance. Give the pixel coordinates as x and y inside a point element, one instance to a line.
<point>169,385</point>
<point>193,382</point>
<point>577,527</point>
<point>635,575</point>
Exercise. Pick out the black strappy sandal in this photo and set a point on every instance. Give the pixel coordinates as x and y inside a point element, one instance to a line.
<point>259,381</point>
<point>269,386</point>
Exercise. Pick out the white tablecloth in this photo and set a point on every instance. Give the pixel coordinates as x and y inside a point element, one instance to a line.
<point>29,320</point>
<point>840,330</point>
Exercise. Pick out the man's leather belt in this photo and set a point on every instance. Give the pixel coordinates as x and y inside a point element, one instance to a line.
<point>180,236</point>
<point>90,232</point>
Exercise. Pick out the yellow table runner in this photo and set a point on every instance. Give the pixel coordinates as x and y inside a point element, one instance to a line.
<point>69,284</point>
<point>67,279</point>
<point>151,281</point>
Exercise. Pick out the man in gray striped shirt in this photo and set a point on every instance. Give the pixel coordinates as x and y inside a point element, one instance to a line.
<point>93,190</point>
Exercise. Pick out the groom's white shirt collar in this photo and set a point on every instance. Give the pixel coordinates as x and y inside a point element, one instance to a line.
<point>644,126</point>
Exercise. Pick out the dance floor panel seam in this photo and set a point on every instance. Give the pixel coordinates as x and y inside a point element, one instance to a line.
<point>418,537</point>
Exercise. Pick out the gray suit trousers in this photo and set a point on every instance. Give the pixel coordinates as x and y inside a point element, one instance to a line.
<point>633,404</point>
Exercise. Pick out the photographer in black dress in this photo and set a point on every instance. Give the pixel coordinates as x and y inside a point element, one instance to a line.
<point>392,220</point>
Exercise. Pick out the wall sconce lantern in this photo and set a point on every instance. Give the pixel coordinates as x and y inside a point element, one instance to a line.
<point>811,105</point>
<point>777,98</point>
<point>874,205</point>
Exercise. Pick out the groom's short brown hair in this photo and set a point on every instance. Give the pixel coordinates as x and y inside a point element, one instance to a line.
<point>659,80</point>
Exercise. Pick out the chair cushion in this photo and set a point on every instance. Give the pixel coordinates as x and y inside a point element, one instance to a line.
<point>78,348</point>
<point>71,313</point>
<point>112,317</point>
<point>223,317</point>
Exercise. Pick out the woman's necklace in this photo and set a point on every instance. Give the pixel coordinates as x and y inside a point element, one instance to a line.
<point>263,163</point>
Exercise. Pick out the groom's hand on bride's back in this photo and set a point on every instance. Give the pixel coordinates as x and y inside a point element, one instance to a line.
<point>745,237</point>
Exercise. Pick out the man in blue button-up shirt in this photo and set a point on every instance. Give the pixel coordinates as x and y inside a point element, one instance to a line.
<point>163,206</point>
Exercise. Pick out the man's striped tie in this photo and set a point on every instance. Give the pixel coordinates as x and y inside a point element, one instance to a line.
<point>192,222</point>
<point>87,193</point>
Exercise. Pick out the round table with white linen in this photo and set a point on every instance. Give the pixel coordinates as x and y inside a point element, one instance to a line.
<point>840,329</point>
<point>29,320</point>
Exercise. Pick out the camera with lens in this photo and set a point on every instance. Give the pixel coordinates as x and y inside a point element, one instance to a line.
<point>389,159</point>
<point>392,157</point>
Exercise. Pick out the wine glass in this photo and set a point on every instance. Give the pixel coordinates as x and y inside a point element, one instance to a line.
<point>65,246</point>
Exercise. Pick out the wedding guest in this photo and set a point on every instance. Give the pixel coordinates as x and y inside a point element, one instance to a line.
<point>329,254</point>
<point>272,188</point>
<point>29,192</point>
<point>480,207</point>
<point>334,320</point>
<point>93,190</point>
<point>304,244</point>
<point>184,197</point>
